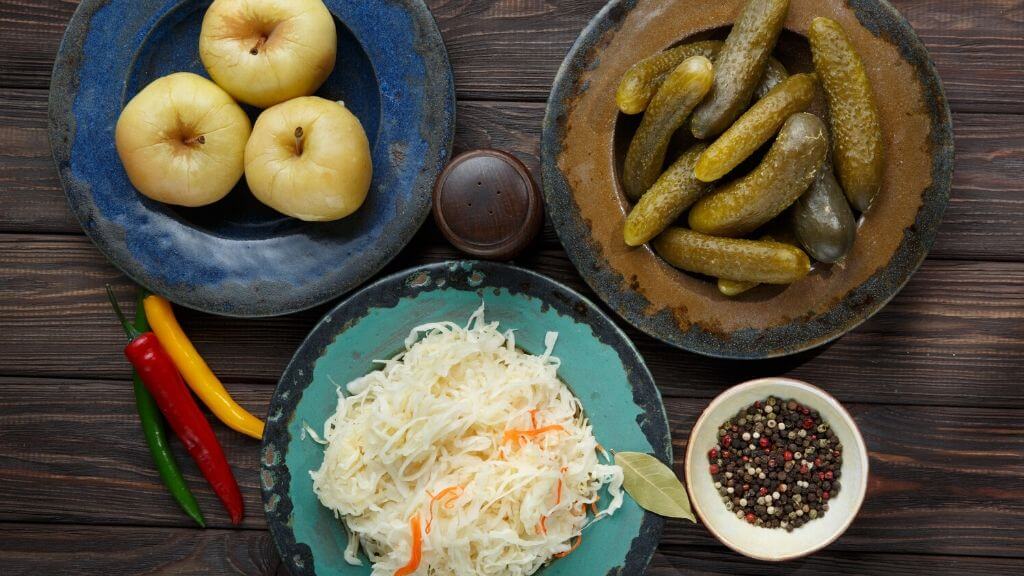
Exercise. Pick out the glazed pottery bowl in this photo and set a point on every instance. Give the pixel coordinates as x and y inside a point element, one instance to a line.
<point>775,544</point>
<point>598,363</point>
<point>237,257</point>
<point>585,138</point>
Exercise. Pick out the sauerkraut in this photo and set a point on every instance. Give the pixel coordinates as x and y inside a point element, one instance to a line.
<point>473,443</point>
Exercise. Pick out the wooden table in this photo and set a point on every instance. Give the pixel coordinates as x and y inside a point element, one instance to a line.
<point>934,380</point>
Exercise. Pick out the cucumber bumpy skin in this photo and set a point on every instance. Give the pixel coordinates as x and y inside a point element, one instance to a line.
<point>761,261</point>
<point>856,130</point>
<point>786,172</point>
<point>740,65</point>
<point>641,82</point>
<point>756,126</point>
<point>683,89</point>
<point>774,74</point>
<point>674,192</point>
<point>823,221</point>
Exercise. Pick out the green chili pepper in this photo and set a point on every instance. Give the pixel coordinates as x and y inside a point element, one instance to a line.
<point>156,434</point>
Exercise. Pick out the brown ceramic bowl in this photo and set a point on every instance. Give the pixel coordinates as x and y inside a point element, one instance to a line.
<point>585,138</point>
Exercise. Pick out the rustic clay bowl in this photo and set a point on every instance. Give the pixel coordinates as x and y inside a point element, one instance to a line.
<point>585,138</point>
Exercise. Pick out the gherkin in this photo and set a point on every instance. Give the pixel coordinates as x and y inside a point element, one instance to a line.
<point>856,130</point>
<point>740,65</point>
<point>675,191</point>
<point>761,261</point>
<point>788,169</point>
<point>682,90</point>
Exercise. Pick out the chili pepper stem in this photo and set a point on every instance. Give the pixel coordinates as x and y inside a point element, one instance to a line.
<point>129,330</point>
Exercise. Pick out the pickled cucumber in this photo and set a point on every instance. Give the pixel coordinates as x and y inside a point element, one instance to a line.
<point>641,81</point>
<point>740,66</point>
<point>671,195</point>
<point>785,173</point>
<point>774,74</point>
<point>760,261</point>
<point>856,131</point>
<point>756,126</point>
<point>735,287</point>
<point>823,220</point>
<point>682,90</point>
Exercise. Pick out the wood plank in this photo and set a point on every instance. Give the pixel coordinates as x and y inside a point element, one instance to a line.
<point>700,561</point>
<point>942,478</point>
<point>985,219</point>
<point>953,336</point>
<point>511,50</point>
<point>29,550</point>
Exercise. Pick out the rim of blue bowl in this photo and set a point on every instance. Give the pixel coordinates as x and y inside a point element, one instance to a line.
<point>860,304</point>
<point>275,478</point>
<point>64,86</point>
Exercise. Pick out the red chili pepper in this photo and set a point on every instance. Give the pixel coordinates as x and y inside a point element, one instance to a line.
<point>164,382</point>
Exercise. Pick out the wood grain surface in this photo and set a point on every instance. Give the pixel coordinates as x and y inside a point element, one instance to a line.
<point>934,380</point>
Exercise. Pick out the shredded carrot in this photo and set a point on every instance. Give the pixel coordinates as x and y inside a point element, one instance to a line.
<point>579,540</point>
<point>452,492</point>
<point>558,494</point>
<point>533,418</point>
<point>593,505</point>
<point>542,525</point>
<point>417,548</point>
<point>516,433</point>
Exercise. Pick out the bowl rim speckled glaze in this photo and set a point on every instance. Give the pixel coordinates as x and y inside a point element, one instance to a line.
<point>858,451</point>
<point>799,334</point>
<point>242,277</point>
<point>469,276</point>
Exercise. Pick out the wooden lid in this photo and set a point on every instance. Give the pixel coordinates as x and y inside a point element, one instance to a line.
<point>487,204</point>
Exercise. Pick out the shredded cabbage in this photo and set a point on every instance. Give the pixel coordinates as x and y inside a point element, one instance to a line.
<point>479,439</point>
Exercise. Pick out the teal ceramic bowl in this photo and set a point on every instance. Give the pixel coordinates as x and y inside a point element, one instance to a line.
<point>599,364</point>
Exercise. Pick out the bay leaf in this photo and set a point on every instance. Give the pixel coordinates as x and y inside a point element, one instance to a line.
<point>653,485</point>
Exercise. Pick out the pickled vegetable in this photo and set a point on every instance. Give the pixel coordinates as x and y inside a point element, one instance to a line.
<point>856,131</point>
<point>641,81</point>
<point>785,173</point>
<point>760,261</point>
<point>740,66</point>
<point>756,126</point>
<point>682,90</point>
<point>774,74</point>
<point>823,220</point>
<point>735,287</point>
<point>671,195</point>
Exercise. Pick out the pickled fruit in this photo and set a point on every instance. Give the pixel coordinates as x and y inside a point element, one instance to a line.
<point>823,220</point>
<point>774,74</point>
<point>641,81</point>
<point>756,126</point>
<point>735,287</point>
<point>682,90</point>
<point>856,131</point>
<point>671,195</point>
<point>785,173</point>
<point>761,261</point>
<point>740,66</point>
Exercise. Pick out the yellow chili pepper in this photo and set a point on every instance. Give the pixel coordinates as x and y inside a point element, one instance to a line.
<point>193,368</point>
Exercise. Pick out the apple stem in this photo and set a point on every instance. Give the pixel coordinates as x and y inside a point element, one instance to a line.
<point>299,137</point>
<point>196,140</point>
<point>259,44</point>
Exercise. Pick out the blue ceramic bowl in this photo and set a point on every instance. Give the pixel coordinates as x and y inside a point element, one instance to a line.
<point>237,257</point>
<point>599,364</point>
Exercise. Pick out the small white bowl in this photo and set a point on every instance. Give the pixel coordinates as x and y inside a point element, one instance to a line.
<point>775,545</point>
